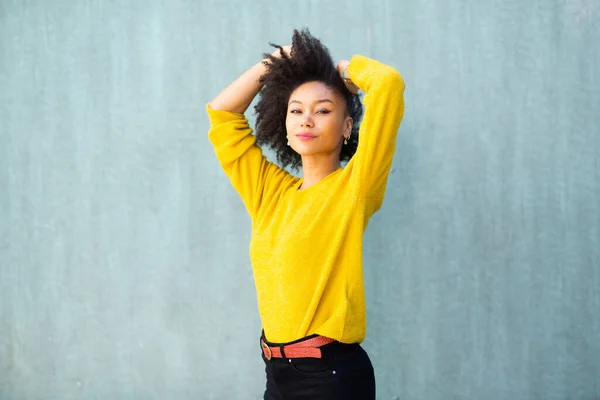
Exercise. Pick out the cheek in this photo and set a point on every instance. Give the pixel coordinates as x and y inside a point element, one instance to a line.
<point>335,128</point>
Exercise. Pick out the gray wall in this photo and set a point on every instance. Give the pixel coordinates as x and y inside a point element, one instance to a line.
<point>124,269</point>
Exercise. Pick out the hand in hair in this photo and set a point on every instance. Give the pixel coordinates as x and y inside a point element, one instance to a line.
<point>279,53</point>
<point>341,66</point>
<point>287,50</point>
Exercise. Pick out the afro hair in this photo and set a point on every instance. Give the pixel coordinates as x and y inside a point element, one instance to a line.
<point>308,61</point>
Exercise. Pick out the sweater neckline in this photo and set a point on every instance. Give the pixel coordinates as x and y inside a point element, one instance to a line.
<point>320,183</point>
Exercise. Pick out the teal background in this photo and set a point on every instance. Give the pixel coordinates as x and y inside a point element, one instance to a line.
<point>124,269</point>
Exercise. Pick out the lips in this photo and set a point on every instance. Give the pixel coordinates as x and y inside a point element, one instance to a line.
<point>305,136</point>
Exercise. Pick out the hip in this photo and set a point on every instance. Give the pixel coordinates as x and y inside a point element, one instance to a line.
<point>341,371</point>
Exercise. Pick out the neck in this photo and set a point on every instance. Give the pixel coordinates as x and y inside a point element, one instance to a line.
<point>316,168</point>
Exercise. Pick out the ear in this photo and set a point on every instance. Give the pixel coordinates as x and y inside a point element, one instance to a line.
<point>348,126</point>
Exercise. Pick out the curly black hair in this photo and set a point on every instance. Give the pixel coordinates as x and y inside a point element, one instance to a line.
<point>309,60</point>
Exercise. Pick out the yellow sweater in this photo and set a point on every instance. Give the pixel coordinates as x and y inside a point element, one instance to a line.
<point>306,246</point>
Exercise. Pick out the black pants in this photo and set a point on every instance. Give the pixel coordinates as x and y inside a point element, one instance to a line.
<point>344,372</point>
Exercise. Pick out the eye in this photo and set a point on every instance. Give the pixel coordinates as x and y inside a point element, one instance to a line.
<point>323,111</point>
<point>295,111</point>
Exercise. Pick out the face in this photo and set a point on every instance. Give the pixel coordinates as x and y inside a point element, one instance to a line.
<point>317,121</point>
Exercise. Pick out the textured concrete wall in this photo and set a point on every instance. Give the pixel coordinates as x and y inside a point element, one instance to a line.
<point>124,269</point>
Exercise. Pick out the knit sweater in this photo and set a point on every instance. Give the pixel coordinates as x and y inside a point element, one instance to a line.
<point>306,245</point>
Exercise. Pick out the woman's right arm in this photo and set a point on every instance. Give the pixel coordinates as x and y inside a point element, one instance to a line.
<point>239,94</point>
<point>241,158</point>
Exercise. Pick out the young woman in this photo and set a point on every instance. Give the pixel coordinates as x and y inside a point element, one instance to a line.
<point>306,245</point>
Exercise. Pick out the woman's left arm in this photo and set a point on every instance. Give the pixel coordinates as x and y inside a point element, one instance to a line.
<point>384,109</point>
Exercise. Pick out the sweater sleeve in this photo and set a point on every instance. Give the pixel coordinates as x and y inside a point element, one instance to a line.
<point>384,109</point>
<point>252,176</point>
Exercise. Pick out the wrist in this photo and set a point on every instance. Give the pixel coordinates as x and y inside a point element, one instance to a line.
<point>342,67</point>
<point>345,76</point>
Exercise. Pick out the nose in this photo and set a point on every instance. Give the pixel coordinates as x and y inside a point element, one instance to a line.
<point>306,121</point>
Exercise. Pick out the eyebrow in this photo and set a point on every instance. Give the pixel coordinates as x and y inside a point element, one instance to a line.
<point>317,102</point>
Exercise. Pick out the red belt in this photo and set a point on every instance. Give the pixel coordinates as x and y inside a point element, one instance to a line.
<point>308,348</point>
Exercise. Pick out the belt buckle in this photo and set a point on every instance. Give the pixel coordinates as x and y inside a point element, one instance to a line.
<point>266,349</point>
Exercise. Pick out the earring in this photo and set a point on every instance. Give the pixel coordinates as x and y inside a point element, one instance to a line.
<point>288,143</point>
<point>345,140</point>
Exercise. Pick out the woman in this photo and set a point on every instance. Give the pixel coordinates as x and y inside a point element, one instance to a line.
<point>306,245</point>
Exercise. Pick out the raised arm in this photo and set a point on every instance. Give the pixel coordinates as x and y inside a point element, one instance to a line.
<point>384,109</point>
<point>239,94</point>
<point>250,173</point>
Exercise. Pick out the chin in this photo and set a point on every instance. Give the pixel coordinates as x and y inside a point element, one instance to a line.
<point>308,150</point>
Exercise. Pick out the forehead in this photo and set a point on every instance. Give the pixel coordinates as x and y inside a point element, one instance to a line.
<point>312,91</point>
